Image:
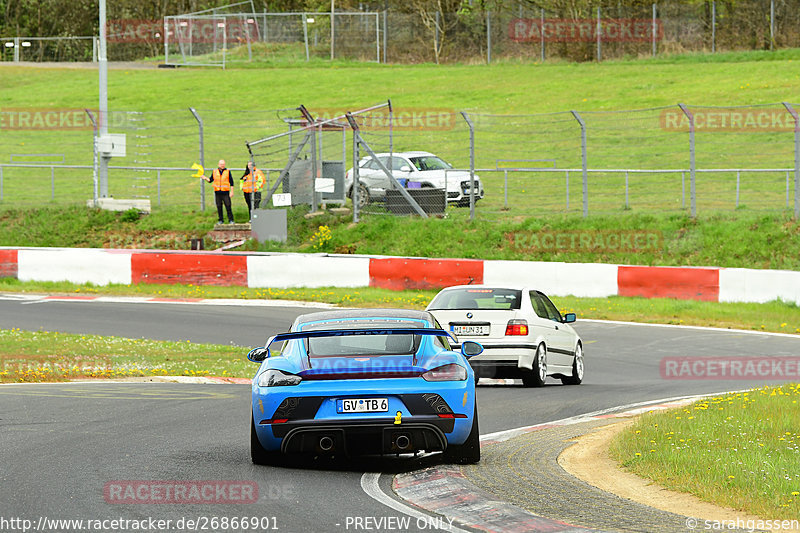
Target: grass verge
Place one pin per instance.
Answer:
(738, 450)
(51, 356)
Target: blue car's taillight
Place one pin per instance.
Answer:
(451, 372)
(277, 378)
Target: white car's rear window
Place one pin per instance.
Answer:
(477, 298)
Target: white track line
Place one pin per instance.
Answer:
(369, 482)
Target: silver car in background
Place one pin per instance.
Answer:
(421, 168)
(522, 332)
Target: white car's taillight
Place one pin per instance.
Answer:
(451, 372)
(517, 326)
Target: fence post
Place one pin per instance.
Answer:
(584, 166)
(385, 32)
(793, 112)
(738, 180)
(202, 158)
(488, 37)
(305, 34)
(771, 24)
(599, 33)
(714, 26)
(654, 30)
(567, 179)
(471, 165)
(627, 204)
(94, 157)
(333, 29)
(541, 34)
(692, 190)
(53, 184)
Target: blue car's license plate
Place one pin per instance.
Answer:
(362, 405)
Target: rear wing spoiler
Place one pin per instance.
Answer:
(259, 354)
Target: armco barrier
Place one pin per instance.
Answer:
(259, 270)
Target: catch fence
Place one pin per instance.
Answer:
(686, 158)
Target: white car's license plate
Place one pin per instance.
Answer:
(362, 405)
(471, 329)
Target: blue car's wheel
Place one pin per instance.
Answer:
(258, 454)
(468, 453)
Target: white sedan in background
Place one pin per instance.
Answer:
(429, 170)
(522, 332)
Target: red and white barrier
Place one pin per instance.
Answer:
(259, 270)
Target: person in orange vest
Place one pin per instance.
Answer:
(223, 190)
(252, 183)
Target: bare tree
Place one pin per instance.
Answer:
(438, 16)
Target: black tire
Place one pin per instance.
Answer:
(577, 368)
(537, 376)
(468, 453)
(258, 454)
(363, 195)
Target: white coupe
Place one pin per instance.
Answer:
(522, 332)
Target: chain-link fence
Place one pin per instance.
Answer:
(414, 33)
(671, 159)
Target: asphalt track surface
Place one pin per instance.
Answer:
(63, 443)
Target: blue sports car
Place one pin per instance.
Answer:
(357, 382)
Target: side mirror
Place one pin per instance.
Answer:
(405, 168)
(257, 355)
(569, 318)
(471, 348)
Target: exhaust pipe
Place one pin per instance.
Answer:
(326, 444)
(402, 442)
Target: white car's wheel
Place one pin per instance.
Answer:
(363, 195)
(577, 368)
(538, 374)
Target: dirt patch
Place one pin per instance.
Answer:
(588, 459)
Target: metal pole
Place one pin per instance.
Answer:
(356, 183)
(436, 37)
(385, 32)
(305, 34)
(654, 30)
(584, 166)
(471, 165)
(53, 184)
(16, 49)
(158, 186)
(692, 190)
(103, 86)
(1, 184)
(714, 26)
(314, 168)
(771, 24)
(377, 38)
(738, 177)
(541, 34)
(94, 157)
(627, 205)
(567, 176)
(202, 158)
(599, 32)
(488, 36)
(333, 27)
(793, 112)
(505, 188)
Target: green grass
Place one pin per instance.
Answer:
(740, 239)
(738, 450)
(51, 356)
(232, 116)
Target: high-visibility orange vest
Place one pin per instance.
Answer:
(222, 180)
(247, 181)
